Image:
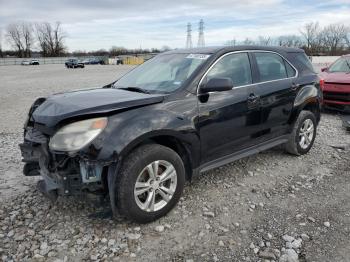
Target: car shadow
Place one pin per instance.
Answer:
(343, 114)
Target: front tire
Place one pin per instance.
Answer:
(303, 135)
(150, 183)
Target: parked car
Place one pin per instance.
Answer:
(30, 62)
(94, 61)
(181, 113)
(336, 87)
(118, 61)
(74, 63)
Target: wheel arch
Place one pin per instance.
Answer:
(314, 108)
(308, 98)
(172, 139)
(187, 150)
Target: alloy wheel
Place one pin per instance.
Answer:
(306, 133)
(155, 186)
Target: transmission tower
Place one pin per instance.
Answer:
(201, 42)
(189, 36)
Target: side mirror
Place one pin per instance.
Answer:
(324, 69)
(217, 85)
(109, 85)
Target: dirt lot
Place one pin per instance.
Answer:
(268, 207)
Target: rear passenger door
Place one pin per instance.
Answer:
(276, 89)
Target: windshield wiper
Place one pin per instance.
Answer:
(135, 89)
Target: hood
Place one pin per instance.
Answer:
(337, 77)
(85, 102)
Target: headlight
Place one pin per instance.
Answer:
(75, 136)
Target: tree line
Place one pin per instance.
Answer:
(45, 36)
(26, 38)
(333, 39)
(119, 50)
(48, 38)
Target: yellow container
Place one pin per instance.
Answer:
(133, 60)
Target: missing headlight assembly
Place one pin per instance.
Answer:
(56, 158)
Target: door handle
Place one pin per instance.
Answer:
(294, 86)
(252, 98)
(253, 101)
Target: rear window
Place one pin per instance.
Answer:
(271, 66)
(303, 63)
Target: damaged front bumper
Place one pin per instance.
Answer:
(62, 174)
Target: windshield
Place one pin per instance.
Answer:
(163, 73)
(341, 65)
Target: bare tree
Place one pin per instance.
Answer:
(50, 38)
(248, 41)
(290, 41)
(20, 36)
(58, 37)
(14, 38)
(117, 50)
(165, 48)
(347, 40)
(334, 37)
(264, 40)
(311, 32)
(231, 42)
(27, 34)
(45, 38)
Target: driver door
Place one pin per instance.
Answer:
(226, 122)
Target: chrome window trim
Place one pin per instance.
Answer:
(249, 51)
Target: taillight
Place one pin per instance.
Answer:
(322, 84)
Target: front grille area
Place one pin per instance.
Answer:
(336, 96)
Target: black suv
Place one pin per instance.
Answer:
(74, 63)
(183, 112)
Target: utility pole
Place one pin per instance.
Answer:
(189, 36)
(201, 42)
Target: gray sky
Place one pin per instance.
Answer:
(93, 24)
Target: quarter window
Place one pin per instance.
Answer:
(234, 66)
(272, 67)
(290, 70)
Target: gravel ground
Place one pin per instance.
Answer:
(268, 207)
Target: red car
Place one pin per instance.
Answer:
(336, 87)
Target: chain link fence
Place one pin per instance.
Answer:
(44, 60)
(127, 59)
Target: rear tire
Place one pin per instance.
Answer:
(303, 135)
(150, 183)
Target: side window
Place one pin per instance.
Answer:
(271, 66)
(234, 66)
(305, 63)
(290, 70)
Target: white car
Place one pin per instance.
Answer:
(30, 62)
